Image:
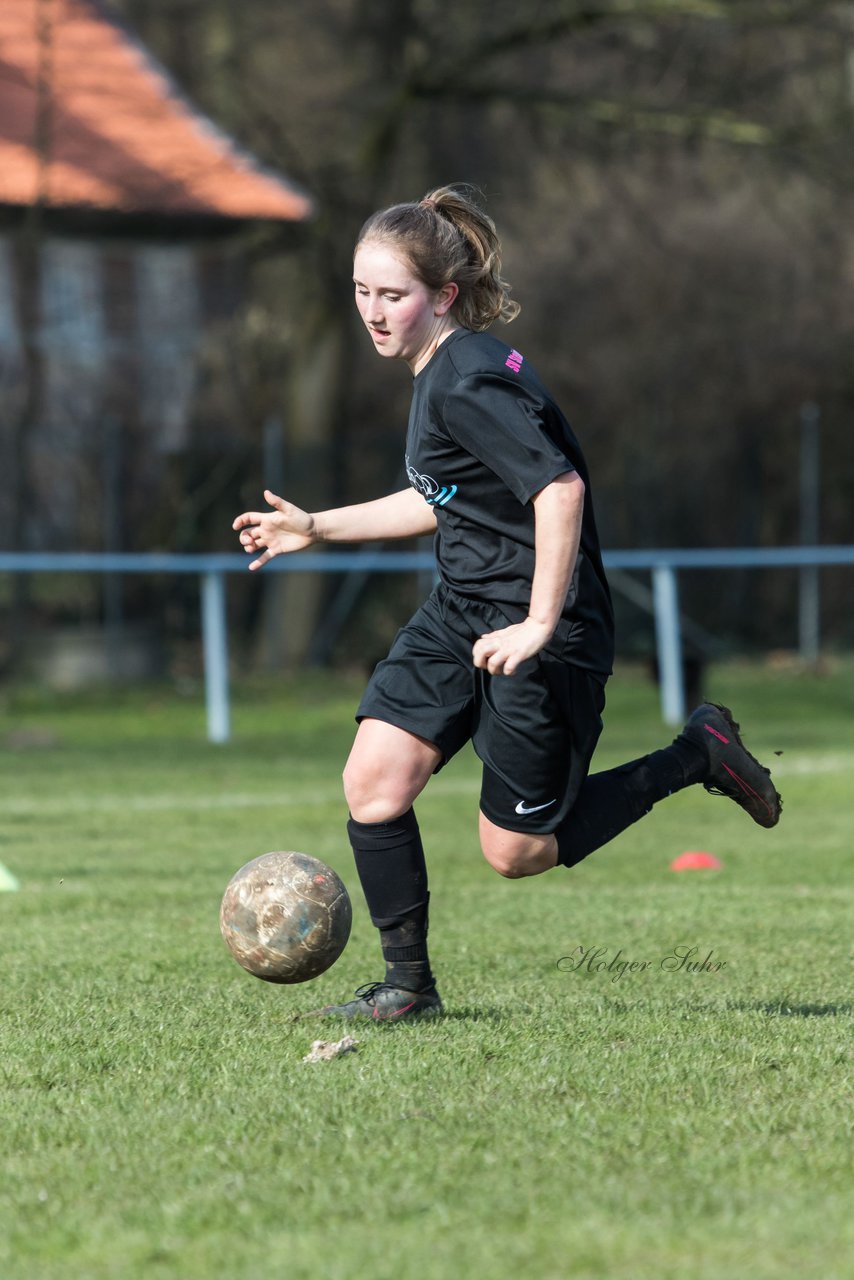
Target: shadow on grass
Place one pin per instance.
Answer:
(475, 1013)
(782, 1009)
(495, 1016)
(459, 1013)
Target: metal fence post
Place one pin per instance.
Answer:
(215, 648)
(669, 643)
(809, 602)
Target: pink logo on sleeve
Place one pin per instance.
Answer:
(514, 361)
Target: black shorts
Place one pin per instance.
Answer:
(535, 731)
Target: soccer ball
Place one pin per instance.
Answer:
(285, 917)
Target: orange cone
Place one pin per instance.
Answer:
(695, 860)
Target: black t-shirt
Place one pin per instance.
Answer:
(484, 437)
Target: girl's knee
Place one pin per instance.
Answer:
(515, 855)
(512, 867)
(387, 770)
(375, 796)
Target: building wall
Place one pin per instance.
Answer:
(116, 340)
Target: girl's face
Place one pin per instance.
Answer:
(406, 320)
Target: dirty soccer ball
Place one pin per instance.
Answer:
(285, 917)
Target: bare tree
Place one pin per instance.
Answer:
(674, 181)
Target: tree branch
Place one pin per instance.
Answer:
(745, 14)
(691, 123)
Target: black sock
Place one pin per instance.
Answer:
(393, 872)
(611, 801)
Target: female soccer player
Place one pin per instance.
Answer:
(514, 646)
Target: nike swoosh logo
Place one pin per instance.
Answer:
(394, 1014)
(535, 808)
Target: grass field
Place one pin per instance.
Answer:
(158, 1120)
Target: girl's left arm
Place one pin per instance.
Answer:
(558, 509)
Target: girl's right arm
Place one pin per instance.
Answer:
(287, 528)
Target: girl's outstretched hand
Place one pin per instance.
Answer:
(274, 533)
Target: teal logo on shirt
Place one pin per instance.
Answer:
(434, 494)
(443, 497)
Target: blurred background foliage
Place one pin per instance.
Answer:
(673, 181)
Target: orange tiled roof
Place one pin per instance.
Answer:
(123, 139)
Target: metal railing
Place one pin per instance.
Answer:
(211, 570)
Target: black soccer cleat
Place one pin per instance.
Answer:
(382, 1003)
(733, 771)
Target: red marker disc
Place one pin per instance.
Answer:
(694, 860)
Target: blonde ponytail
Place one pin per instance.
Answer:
(448, 237)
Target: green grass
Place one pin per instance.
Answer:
(158, 1120)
